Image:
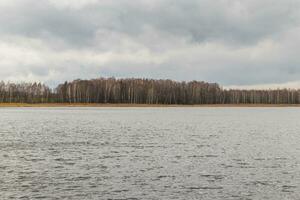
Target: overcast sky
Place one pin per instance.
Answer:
(232, 42)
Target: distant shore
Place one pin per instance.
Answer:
(3, 105)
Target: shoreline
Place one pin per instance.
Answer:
(101, 105)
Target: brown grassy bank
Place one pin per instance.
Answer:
(139, 105)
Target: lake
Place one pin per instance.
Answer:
(150, 153)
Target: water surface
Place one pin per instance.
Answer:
(150, 153)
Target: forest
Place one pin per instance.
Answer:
(141, 91)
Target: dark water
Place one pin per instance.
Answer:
(150, 153)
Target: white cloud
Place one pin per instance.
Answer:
(71, 4)
(232, 42)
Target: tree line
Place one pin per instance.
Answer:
(141, 91)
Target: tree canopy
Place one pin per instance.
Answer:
(141, 91)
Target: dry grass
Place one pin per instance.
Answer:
(139, 105)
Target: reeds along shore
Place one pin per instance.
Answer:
(143, 92)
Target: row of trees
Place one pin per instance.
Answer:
(137, 91)
(141, 91)
(25, 93)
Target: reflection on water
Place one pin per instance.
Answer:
(150, 153)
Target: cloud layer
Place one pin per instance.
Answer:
(233, 42)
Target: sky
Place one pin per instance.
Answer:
(236, 43)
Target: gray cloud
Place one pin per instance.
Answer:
(233, 42)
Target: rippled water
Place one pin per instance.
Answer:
(150, 153)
